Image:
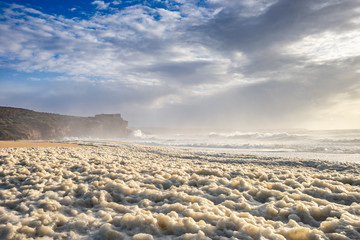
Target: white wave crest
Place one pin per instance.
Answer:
(256, 135)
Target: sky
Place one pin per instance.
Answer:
(251, 64)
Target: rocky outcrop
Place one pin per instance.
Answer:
(18, 123)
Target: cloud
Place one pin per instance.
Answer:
(101, 5)
(239, 63)
(128, 46)
(327, 46)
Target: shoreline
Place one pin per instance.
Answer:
(306, 156)
(331, 157)
(30, 144)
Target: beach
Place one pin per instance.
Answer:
(103, 190)
(27, 144)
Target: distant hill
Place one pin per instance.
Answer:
(24, 124)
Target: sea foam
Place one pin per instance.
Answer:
(146, 192)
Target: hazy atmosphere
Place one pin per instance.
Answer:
(183, 119)
(209, 63)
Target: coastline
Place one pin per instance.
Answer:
(29, 144)
(132, 191)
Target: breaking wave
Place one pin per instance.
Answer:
(137, 134)
(256, 135)
(302, 142)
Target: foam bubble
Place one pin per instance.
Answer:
(143, 192)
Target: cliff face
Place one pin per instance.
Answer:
(17, 123)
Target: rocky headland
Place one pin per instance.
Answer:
(24, 124)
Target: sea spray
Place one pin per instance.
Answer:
(327, 145)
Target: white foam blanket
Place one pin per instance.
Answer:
(144, 192)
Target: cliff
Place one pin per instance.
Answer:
(18, 123)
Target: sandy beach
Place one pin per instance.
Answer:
(30, 144)
(103, 191)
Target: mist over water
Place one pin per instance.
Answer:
(335, 145)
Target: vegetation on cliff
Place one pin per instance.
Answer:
(18, 123)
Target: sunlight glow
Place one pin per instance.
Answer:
(327, 46)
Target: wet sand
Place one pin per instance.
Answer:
(29, 144)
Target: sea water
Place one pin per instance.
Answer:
(334, 145)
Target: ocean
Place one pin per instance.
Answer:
(334, 145)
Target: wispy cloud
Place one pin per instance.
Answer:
(100, 4)
(116, 2)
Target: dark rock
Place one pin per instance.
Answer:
(18, 123)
